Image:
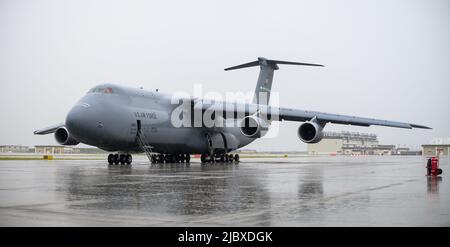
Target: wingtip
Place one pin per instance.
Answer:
(420, 126)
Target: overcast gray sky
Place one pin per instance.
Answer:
(384, 59)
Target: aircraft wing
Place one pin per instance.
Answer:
(301, 115)
(48, 130)
(239, 110)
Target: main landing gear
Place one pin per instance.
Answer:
(170, 158)
(123, 159)
(222, 158)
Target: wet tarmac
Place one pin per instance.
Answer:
(305, 191)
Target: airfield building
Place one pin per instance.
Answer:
(13, 149)
(436, 149)
(350, 143)
(437, 146)
(53, 149)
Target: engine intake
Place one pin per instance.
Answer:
(63, 137)
(252, 126)
(310, 132)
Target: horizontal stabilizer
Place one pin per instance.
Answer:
(272, 63)
(48, 130)
(245, 65)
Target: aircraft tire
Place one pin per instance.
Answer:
(116, 159)
(110, 159)
(236, 158)
(128, 159)
(182, 158)
(203, 158)
(169, 158)
(122, 159)
(187, 158)
(231, 158)
(153, 159)
(166, 158)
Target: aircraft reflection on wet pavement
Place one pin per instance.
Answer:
(175, 189)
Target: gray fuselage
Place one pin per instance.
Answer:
(111, 120)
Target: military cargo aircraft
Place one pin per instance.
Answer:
(124, 120)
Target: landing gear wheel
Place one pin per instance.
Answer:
(182, 158)
(231, 158)
(187, 158)
(203, 158)
(222, 158)
(153, 159)
(236, 158)
(169, 158)
(110, 159)
(177, 158)
(116, 159)
(128, 159)
(161, 158)
(122, 159)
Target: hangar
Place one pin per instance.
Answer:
(436, 149)
(350, 143)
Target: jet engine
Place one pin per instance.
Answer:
(63, 137)
(252, 126)
(310, 132)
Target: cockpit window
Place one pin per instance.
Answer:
(105, 90)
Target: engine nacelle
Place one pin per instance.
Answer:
(310, 132)
(63, 137)
(252, 126)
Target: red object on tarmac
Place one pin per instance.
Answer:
(433, 167)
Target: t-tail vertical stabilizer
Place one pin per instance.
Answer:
(265, 78)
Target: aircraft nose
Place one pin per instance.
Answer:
(81, 121)
(74, 115)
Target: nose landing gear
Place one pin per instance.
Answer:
(122, 159)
